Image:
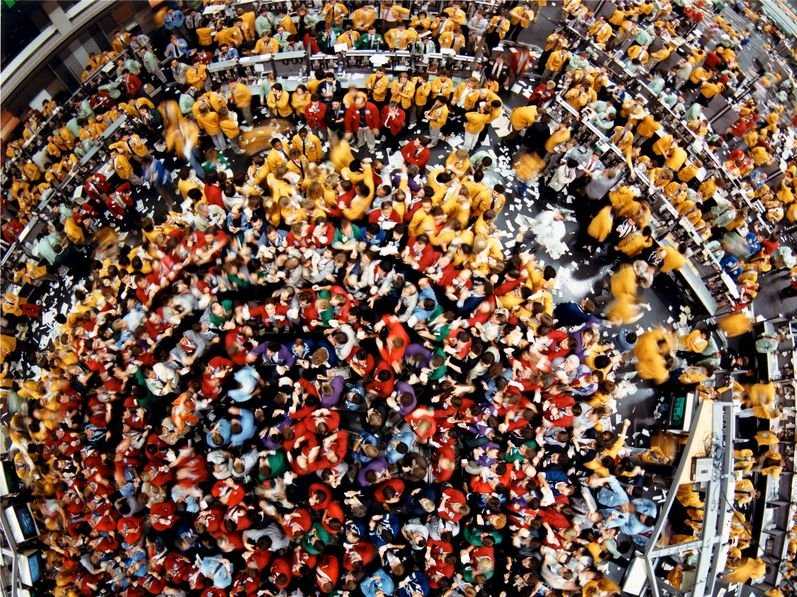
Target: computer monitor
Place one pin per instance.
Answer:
(31, 567)
(21, 523)
(9, 481)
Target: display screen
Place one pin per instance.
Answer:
(678, 411)
(26, 523)
(10, 481)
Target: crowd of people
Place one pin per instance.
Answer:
(308, 369)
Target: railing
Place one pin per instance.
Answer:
(85, 86)
(252, 67)
(780, 493)
(347, 60)
(717, 418)
(693, 141)
(663, 204)
(61, 189)
(48, 41)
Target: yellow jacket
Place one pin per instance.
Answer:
(458, 166)
(708, 188)
(528, 166)
(230, 35)
(340, 155)
(694, 341)
(437, 117)
(443, 237)
(358, 208)
(196, 75)
(688, 497)
(204, 36)
(73, 231)
(709, 89)
(523, 117)
(476, 121)
(281, 105)
(735, 324)
(662, 146)
(422, 91)
(400, 40)
(457, 14)
(618, 16)
(633, 244)
(299, 101)
(745, 570)
(275, 159)
(138, 146)
(673, 259)
(699, 74)
(501, 25)
(378, 87)
(348, 37)
(688, 172)
(600, 31)
(521, 15)
(241, 95)
(7, 345)
(288, 24)
(647, 126)
(267, 45)
(623, 281)
(404, 93)
(229, 127)
(421, 223)
(122, 167)
(465, 95)
(479, 193)
(654, 369)
(559, 136)
(311, 147)
(766, 438)
(335, 11)
(556, 60)
(442, 86)
(601, 225)
(215, 100)
(248, 22)
(363, 18)
(451, 40)
(209, 121)
(662, 53)
(760, 155)
(183, 186)
(676, 158)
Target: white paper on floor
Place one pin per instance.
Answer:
(455, 141)
(549, 232)
(502, 125)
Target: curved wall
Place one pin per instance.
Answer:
(70, 38)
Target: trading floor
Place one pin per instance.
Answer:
(407, 298)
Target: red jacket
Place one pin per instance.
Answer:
(353, 121)
(375, 215)
(328, 571)
(396, 123)
(213, 195)
(316, 115)
(310, 43)
(388, 350)
(541, 94)
(554, 518)
(415, 154)
(712, 60)
(132, 84)
(361, 552)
